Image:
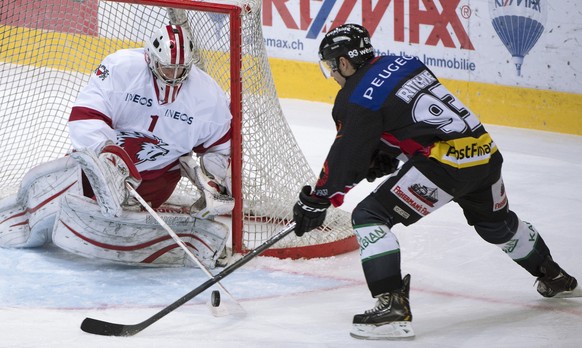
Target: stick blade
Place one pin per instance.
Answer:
(103, 328)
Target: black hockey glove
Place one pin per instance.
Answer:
(382, 164)
(309, 211)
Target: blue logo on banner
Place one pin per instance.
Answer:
(519, 24)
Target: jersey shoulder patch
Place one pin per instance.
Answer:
(381, 79)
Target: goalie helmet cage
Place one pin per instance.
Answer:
(50, 47)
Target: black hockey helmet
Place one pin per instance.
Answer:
(349, 40)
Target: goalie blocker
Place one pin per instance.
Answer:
(50, 206)
(213, 180)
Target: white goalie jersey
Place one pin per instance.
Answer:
(121, 104)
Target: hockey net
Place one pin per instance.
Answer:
(48, 49)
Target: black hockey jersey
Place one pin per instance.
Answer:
(397, 105)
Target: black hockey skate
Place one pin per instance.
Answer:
(389, 320)
(556, 282)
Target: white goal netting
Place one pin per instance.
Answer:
(49, 48)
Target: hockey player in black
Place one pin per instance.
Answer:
(394, 117)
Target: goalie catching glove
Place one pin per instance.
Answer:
(107, 172)
(309, 211)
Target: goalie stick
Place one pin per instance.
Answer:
(236, 307)
(99, 327)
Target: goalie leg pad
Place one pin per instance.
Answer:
(135, 238)
(27, 218)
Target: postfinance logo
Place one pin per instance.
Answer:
(464, 152)
(405, 17)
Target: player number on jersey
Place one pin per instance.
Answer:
(440, 108)
(153, 123)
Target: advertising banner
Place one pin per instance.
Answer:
(522, 43)
(80, 15)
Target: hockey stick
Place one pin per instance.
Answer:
(237, 307)
(104, 328)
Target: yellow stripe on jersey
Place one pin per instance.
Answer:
(464, 152)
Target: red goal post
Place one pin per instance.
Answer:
(46, 62)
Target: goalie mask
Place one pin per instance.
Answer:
(169, 54)
(351, 41)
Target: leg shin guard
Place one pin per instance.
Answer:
(380, 255)
(527, 248)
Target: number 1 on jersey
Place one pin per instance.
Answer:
(153, 123)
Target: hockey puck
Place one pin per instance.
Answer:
(215, 298)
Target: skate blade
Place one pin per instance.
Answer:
(398, 330)
(577, 292)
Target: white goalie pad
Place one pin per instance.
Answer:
(135, 237)
(107, 173)
(27, 217)
(214, 197)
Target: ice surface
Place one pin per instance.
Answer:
(464, 292)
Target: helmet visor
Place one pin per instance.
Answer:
(328, 67)
(172, 74)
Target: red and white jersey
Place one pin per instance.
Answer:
(120, 104)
